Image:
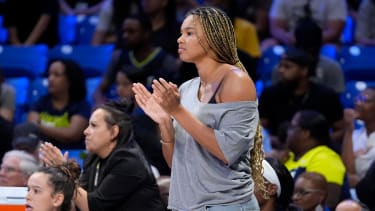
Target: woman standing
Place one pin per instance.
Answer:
(210, 125)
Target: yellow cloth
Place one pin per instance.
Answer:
(246, 37)
(320, 159)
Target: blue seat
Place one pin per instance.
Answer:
(269, 59)
(86, 26)
(38, 88)
(21, 87)
(67, 29)
(358, 62)
(347, 35)
(329, 50)
(30, 61)
(91, 85)
(3, 31)
(92, 59)
(353, 89)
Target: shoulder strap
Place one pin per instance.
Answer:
(213, 100)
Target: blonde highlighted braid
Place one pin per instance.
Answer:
(256, 158)
(219, 34)
(220, 37)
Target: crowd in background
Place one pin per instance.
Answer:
(307, 130)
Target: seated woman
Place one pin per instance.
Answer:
(310, 192)
(62, 114)
(114, 160)
(279, 185)
(52, 188)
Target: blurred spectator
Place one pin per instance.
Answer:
(7, 109)
(310, 192)
(308, 36)
(358, 149)
(245, 31)
(348, 205)
(279, 184)
(32, 22)
(353, 6)
(111, 18)
(80, 7)
(308, 138)
(146, 132)
(279, 102)
(365, 28)
(165, 28)
(365, 188)
(62, 115)
(16, 167)
(329, 14)
(256, 11)
(139, 53)
(26, 138)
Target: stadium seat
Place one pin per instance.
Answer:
(91, 85)
(67, 29)
(38, 88)
(358, 62)
(3, 31)
(269, 59)
(347, 36)
(93, 59)
(329, 50)
(27, 61)
(85, 29)
(21, 87)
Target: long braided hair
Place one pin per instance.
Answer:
(219, 33)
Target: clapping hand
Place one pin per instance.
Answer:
(51, 155)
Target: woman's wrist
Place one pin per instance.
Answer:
(166, 142)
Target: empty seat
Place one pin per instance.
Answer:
(329, 50)
(347, 35)
(38, 88)
(358, 62)
(86, 26)
(28, 61)
(269, 59)
(92, 59)
(67, 29)
(91, 85)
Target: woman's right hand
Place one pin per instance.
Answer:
(149, 105)
(51, 155)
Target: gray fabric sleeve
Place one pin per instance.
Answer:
(236, 132)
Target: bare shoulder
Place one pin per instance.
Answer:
(237, 86)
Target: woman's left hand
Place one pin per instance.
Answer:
(52, 155)
(166, 94)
